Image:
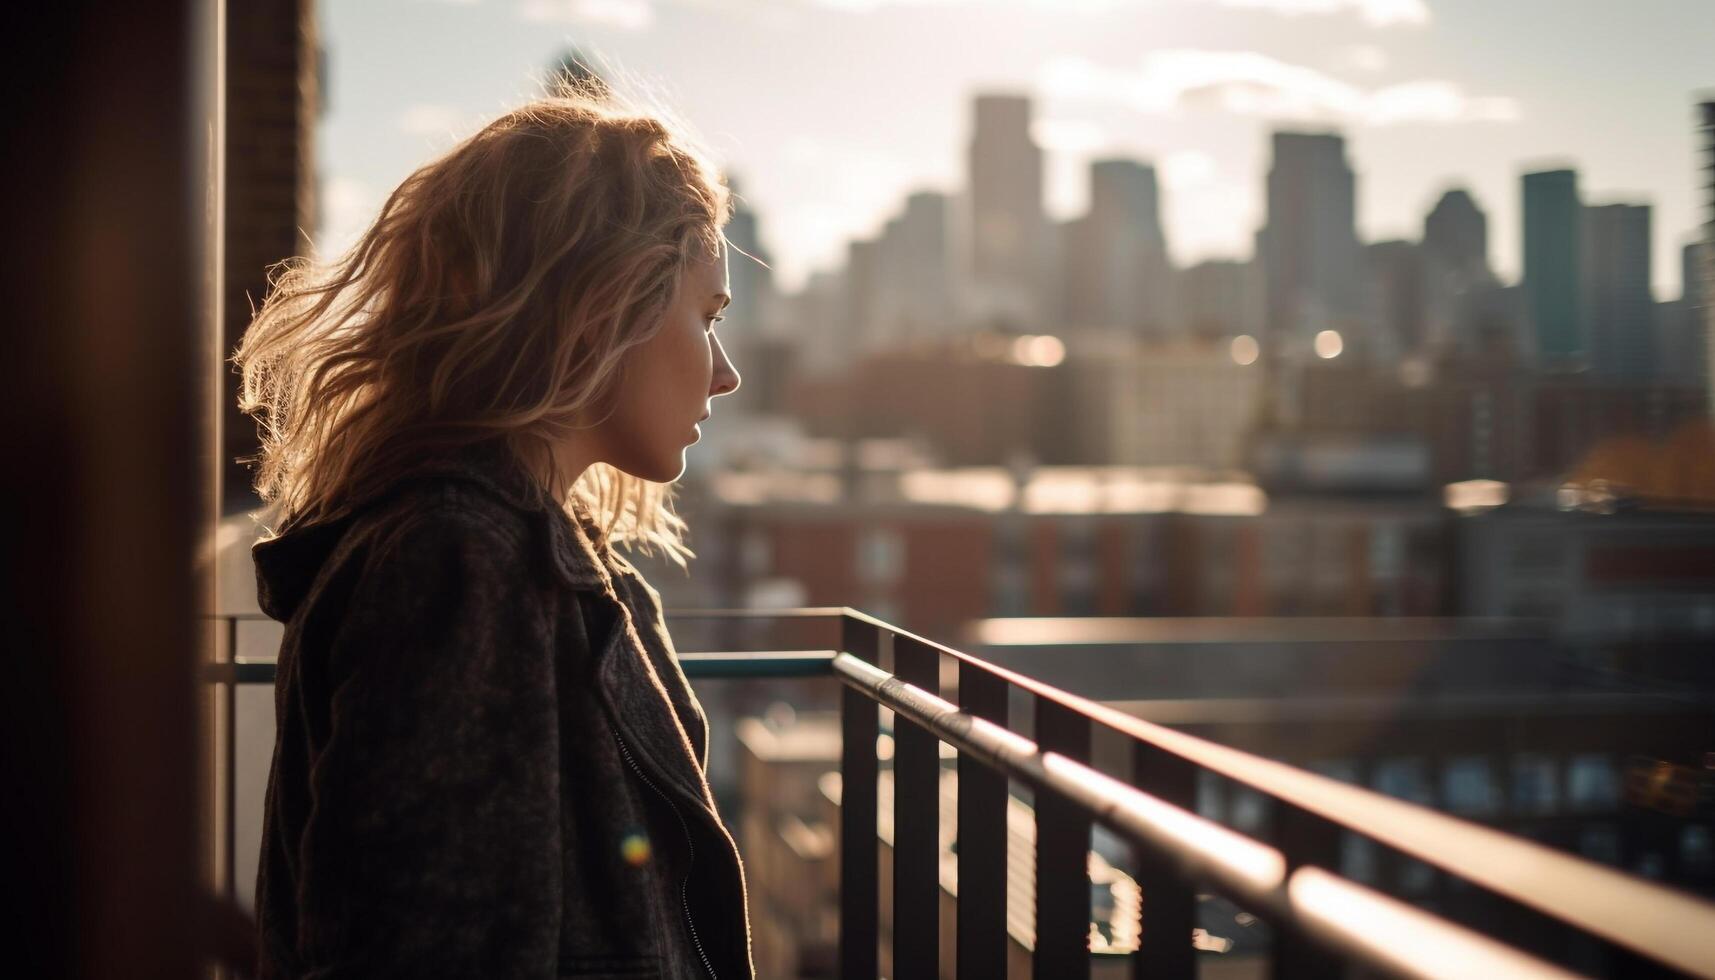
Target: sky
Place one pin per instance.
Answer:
(827, 113)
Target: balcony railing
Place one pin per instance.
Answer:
(1572, 913)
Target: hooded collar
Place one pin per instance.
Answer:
(288, 562)
(576, 557)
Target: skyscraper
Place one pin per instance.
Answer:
(1396, 270)
(1681, 352)
(1216, 299)
(1552, 238)
(1008, 226)
(1456, 236)
(1706, 255)
(914, 293)
(751, 315)
(1616, 272)
(1309, 246)
(1116, 271)
(1455, 263)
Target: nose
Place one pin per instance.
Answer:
(726, 379)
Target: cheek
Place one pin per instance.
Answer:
(677, 372)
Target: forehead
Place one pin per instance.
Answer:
(707, 276)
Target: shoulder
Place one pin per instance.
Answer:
(446, 512)
(441, 542)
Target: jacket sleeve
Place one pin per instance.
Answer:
(433, 844)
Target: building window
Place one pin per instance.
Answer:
(881, 556)
(1078, 568)
(1592, 783)
(1696, 851)
(1358, 858)
(1405, 778)
(1468, 786)
(1209, 797)
(1600, 842)
(1534, 789)
(1249, 810)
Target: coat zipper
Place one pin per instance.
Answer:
(691, 849)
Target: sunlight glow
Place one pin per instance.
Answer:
(1468, 496)
(1404, 935)
(1038, 351)
(1226, 854)
(1329, 344)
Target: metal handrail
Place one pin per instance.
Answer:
(1252, 874)
(1654, 921)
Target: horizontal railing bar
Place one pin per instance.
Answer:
(713, 666)
(771, 663)
(1368, 925)
(241, 672)
(1251, 874)
(802, 612)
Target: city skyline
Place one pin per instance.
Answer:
(1418, 90)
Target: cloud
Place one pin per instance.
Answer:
(1183, 169)
(627, 15)
(1363, 57)
(1380, 13)
(1249, 83)
(1068, 135)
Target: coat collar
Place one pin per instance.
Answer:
(576, 558)
(636, 666)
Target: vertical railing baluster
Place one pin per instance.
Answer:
(1303, 838)
(1062, 855)
(860, 895)
(1164, 951)
(982, 935)
(916, 823)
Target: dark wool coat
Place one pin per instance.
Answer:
(489, 763)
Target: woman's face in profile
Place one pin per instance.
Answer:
(669, 380)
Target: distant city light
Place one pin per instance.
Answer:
(1033, 350)
(1244, 349)
(1329, 345)
(1468, 496)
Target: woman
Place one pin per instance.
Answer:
(488, 761)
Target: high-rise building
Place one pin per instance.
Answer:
(1115, 268)
(1455, 268)
(1616, 267)
(750, 274)
(1553, 219)
(752, 318)
(1309, 246)
(1008, 226)
(1398, 277)
(1705, 272)
(1456, 236)
(914, 298)
(1215, 299)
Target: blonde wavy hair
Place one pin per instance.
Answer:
(492, 301)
